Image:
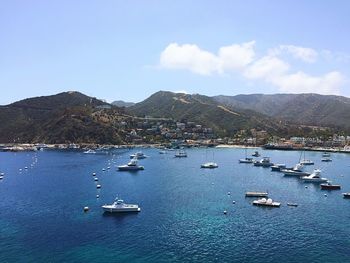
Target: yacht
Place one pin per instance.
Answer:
(278, 167)
(346, 195)
(131, 166)
(246, 160)
(181, 154)
(326, 159)
(209, 165)
(138, 155)
(315, 177)
(119, 206)
(266, 202)
(297, 170)
(326, 154)
(264, 162)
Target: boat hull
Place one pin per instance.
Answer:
(330, 187)
(130, 168)
(110, 209)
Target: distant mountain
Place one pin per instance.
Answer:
(308, 109)
(121, 103)
(62, 118)
(204, 110)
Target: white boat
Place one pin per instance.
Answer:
(326, 154)
(138, 155)
(307, 162)
(90, 151)
(119, 206)
(209, 165)
(131, 166)
(278, 167)
(326, 159)
(298, 170)
(246, 160)
(266, 202)
(180, 154)
(264, 162)
(315, 177)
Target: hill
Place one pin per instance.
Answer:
(204, 110)
(62, 118)
(307, 109)
(121, 103)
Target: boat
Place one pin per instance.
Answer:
(278, 167)
(346, 195)
(326, 154)
(138, 155)
(256, 194)
(119, 206)
(131, 166)
(246, 160)
(292, 204)
(264, 162)
(180, 154)
(326, 159)
(307, 162)
(297, 170)
(162, 152)
(209, 165)
(330, 186)
(256, 154)
(266, 202)
(315, 177)
(90, 151)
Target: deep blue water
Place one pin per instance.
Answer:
(182, 220)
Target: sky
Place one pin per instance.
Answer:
(127, 50)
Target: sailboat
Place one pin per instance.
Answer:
(209, 165)
(246, 159)
(306, 161)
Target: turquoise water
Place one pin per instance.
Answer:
(182, 220)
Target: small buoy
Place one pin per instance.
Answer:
(212, 183)
(225, 212)
(108, 167)
(305, 186)
(103, 169)
(98, 186)
(228, 193)
(97, 196)
(2, 174)
(233, 202)
(20, 169)
(93, 174)
(1, 177)
(86, 208)
(96, 179)
(26, 167)
(325, 195)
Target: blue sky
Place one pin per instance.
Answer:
(130, 49)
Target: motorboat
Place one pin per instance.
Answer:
(131, 166)
(181, 153)
(256, 154)
(326, 159)
(346, 195)
(278, 167)
(138, 155)
(330, 186)
(209, 165)
(307, 162)
(326, 154)
(264, 162)
(266, 202)
(256, 194)
(119, 206)
(297, 170)
(315, 177)
(90, 151)
(246, 160)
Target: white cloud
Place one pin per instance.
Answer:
(305, 54)
(241, 59)
(189, 57)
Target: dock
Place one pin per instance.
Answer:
(256, 194)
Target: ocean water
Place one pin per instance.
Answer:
(181, 218)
